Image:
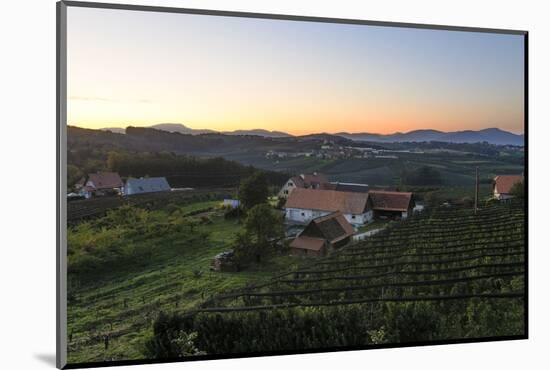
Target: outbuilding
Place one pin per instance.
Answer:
(146, 185)
(392, 204)
(321, 235)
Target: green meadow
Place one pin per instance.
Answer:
(122, 301)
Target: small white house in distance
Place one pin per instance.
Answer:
(232, 203)
(146, 185)
(304, 205)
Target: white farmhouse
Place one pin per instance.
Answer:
(146, 185)
(304, 205)
(314, 181)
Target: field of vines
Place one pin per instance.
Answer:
(89, 208)
(134, 262)
(443, 275)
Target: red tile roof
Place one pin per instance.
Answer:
(315, 179)
(308, 181)
(504, 183)
(328, 200)
(334, 227)
(331, 228)
(298, 181)
(327, 186)
(390, 200)
(306, 242)
(105, 180)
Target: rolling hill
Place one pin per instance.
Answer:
(182, 129)
(491, 135)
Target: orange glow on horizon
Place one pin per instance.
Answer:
(382, 129)
(295, 123)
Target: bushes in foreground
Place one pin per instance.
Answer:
(302, 328)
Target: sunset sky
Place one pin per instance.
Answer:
(225, 73)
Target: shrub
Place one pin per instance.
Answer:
(234, 213)
(197, 273)
(167, 341)
(205, 220)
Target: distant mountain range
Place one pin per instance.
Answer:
(490, 135)
(182, 129)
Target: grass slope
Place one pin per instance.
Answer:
(122, 304)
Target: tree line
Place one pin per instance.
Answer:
(180, 170)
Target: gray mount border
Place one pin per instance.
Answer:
(61, 193)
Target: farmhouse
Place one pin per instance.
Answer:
(322, 234)
(100, 183)
(503, 184)
(314, 181)
(304, 205)
(391, 204)
(146, 185)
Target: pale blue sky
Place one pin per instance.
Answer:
(132, 67)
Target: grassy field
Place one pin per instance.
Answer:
(457, 169)
(122, 304)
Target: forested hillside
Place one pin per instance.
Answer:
(91, 151)
(391, 164)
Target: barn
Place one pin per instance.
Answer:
(322, 234)
(392, 204)
(146, 185)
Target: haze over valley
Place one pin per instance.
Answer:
(491, 135)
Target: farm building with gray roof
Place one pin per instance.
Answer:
(146, 185)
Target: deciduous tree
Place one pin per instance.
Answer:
(253, 190)
(518, 190)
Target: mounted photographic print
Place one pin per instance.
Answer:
(237, 184)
